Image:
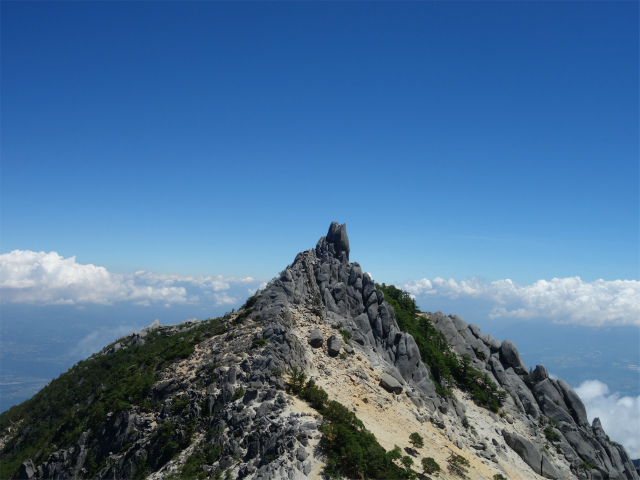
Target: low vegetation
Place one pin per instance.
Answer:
(80, 399)
(443, 362)
(205, 454)
(552, 435)
(351, 450)
(430, 466)
(416, 441)
(458, 465)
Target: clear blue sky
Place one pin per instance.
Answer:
(455, 139)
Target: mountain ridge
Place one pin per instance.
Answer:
(218, 395)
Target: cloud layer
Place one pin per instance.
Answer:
(620, 416)
(562, 300)
(49, 279)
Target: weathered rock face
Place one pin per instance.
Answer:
(233, 388)
(229, 397)
(344, 294)
(390, 383)
(574, 403)
(511, 358)
(538, 399)
(316, 339)
(337, 236)
(347, 296)
(334, 344)
(532, 455)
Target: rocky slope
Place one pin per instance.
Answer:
(221, 407)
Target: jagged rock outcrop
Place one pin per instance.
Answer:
(573, 402)
(233, 387)
(542, 403)
(510, 357)
(532, 455)
(228, 400)
(348, 296)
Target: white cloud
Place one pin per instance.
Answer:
(96, 340)
(224, 299)
(563, 300)
(590, 389)
(39, 277)
(620, 416)
(50, 279)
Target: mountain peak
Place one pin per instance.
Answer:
(335, 243)
(200, 399)
(337, 236)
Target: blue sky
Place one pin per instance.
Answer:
(164, 159)
(455, 139)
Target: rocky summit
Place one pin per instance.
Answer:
(324, 373)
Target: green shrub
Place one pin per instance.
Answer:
(416, 440)
(141, 470)
(479, 354)
(242, 316)
(250, 302)
(435, 352)
(346, 336)
(395, 454)
(458, 465)
(297, 378)
(166, 438)
(407, 462)
(430, 466)
(179, 405)
(315, 395)
(551, 434)
(351, 450)
(239, 393)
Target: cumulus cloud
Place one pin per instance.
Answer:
(563, 300)
(224, 299)
(619, 415)
(50, 279)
